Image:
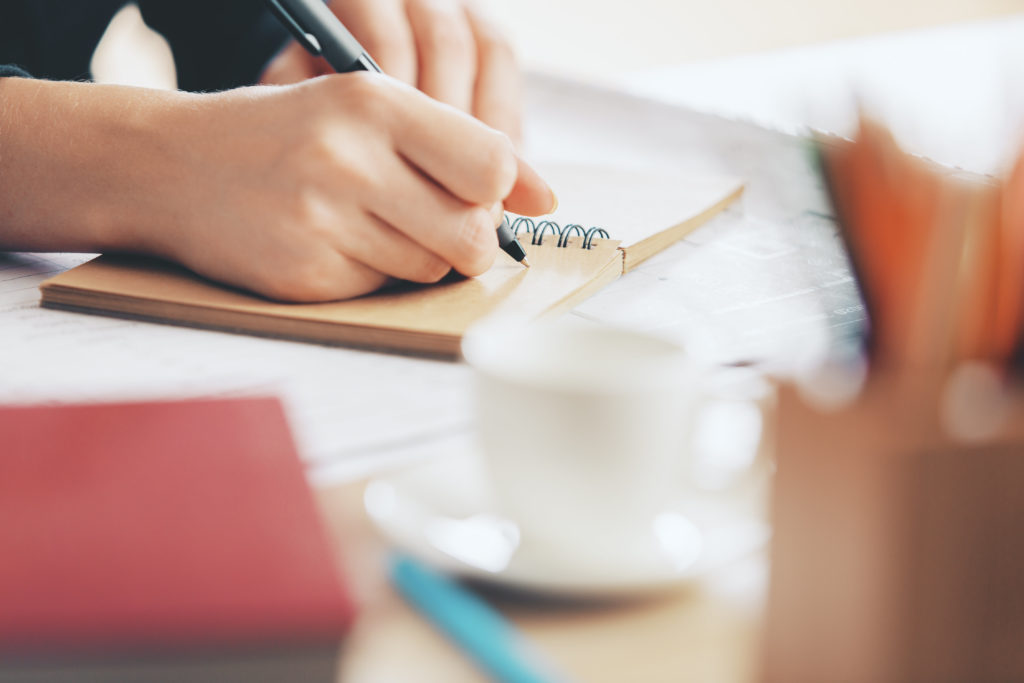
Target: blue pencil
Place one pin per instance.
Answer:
(475, 627)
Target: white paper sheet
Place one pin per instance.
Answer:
(633, 203)
(767, 281)
(342, 402)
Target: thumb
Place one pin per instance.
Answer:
(531, 195)
(292, 65)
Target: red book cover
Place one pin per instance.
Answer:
(164, 526)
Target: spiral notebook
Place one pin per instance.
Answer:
(608, 221)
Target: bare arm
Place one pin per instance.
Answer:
(318, 191)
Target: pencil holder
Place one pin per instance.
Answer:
(898, 552)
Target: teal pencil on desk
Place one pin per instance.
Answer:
(483, 634)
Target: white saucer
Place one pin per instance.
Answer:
(442, 512)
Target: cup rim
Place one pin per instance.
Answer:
(484, 347)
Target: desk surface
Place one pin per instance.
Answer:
(708, 632)
(739, 280)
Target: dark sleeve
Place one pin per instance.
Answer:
(216, 45)
(53, 38)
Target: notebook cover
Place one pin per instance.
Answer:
(427, 319)
(644, 212)
(149, 527)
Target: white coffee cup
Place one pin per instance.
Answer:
(583, 431)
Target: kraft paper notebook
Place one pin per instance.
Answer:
(609, 220)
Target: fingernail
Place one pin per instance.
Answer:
(554, 202)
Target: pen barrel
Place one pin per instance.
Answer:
(509, 243)
(346, 56)
(339, 47)
(473, 625)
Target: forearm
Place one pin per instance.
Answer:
(74, 161)
(311, 192)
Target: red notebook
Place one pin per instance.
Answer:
(162, 533)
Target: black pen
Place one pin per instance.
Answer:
(323, 35)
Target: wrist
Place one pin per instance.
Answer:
(142, 143)
(76, 163)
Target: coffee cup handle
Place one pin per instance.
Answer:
(730, 433)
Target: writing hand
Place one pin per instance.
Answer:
(313, 192)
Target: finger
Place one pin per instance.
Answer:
(339, 277)
(463, 235)
(497, 213)
(387, 250)
(382, 28)
(292, 65)
(308, 275)
(472, 161)
(498, 91)
(531, 195)
(446, 52)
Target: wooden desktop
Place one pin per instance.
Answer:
(708, 632)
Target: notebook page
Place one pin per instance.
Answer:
(766, 280)
(632, 204)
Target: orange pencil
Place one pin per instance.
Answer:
(887, 204)
(1009, 291)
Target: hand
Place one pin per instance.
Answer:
(446, 48)
(314, 192)
(327, 189)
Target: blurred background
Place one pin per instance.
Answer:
(946, 75)
(594, 38)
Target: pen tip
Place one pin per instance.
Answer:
(525, 262)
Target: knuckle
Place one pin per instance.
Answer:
(357, 180)
(316, 153)
(332, 170)
(491, 41)
(443, 33)
(476, 242)
(365, 93)
(364, 183)
(427, 268)
(306, 281)
(501, 167)
(493, 45)
(312, 215)
(390, 46)
(360, 82)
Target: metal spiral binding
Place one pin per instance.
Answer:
(538, 230)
